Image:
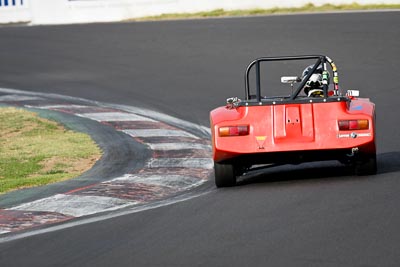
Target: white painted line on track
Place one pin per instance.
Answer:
(60, 106)
(19, 98)
(114, 116)
(75, 205)
(158, 133)
(2, 231)
(178, 146)
(174, 181)
(197, 163)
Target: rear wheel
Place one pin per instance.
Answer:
(224, 175)
(366, 164)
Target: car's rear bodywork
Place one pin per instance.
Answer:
(293, 128)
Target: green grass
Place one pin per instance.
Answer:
(35, 151)
(253, 12)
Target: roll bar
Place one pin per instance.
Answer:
(321, 59)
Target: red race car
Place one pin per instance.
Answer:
(307, 118)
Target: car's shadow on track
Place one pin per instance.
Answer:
(387, 163)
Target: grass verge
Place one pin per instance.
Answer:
(252, 12)
(35, 151)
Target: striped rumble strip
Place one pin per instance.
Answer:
(181, 160)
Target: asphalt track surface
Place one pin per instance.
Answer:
(306, 215)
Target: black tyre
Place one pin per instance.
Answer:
(366, 164)
(224, 175)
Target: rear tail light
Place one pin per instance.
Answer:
(234, 130)
(353, 125)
